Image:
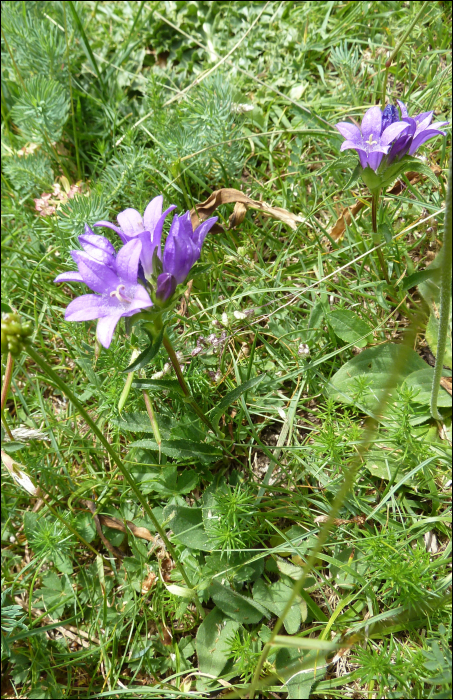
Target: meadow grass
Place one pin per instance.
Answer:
(303, 549)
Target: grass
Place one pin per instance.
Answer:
(316, 369)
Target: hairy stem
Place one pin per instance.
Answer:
(182, 383)
(119, 463)
(445, 292)
(374, 208)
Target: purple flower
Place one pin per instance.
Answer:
(375, 137)
(419, 129)
(147, 229)
(182, 250)
(114, 279)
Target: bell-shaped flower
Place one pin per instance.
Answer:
(147, 229)
(419, 129)
(373, 140)
(114, 279)
(182, 250)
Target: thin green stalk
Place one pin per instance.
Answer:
(368, 436)
(5, 389)
(445, 292)
(153, 420)
(74, 129)
(182, 383)
(389, 61)
(119, 463)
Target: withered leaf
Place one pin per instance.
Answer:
(228, 195)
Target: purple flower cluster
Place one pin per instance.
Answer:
(125, 282)
(385, 134)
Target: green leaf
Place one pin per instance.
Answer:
(187, 525)
(422, 381)
(85, 43)
(274, 598)
(171, 385)
(147, 355)
(363, 379)
(416, 165)
(213, 642)
(420, 276)
(183, 449)
(349, 327)
(139, 422)
(234, 395)
(235, 605)
(55, 591)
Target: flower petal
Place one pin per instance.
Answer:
(371, 123)
(127, 261)
(98, 248)
(117, 230)
(419, 118)
(94, 239)
(72, 276)
(131, 222)
(403, 109)
(185, 225)
(105, 329)
(202, 231)
(156, 234)
(392, 132)
(423, 124)
(360, 150)
(96, 275)
(349, 131)
(86, 308)
(374, 159)
(153, 212)
(422, 137)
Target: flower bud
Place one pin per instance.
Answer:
(14, 333)
(166, 285)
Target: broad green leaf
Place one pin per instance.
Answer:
(234, 395)
(274, 598)
(183, 449)
(158, 385)
(139, 422)
(187, 525)
(350, 327)
(364, 378)
(422, 381)
(235, 605)
(213, 642)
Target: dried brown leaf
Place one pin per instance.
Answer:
(228, 195)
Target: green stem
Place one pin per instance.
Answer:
(182, 383)
(122, 468)
(5, 389)
(445, 291)
(153, 420)
(374, 208)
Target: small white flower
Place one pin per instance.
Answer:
(303, 350)
(240, 315)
